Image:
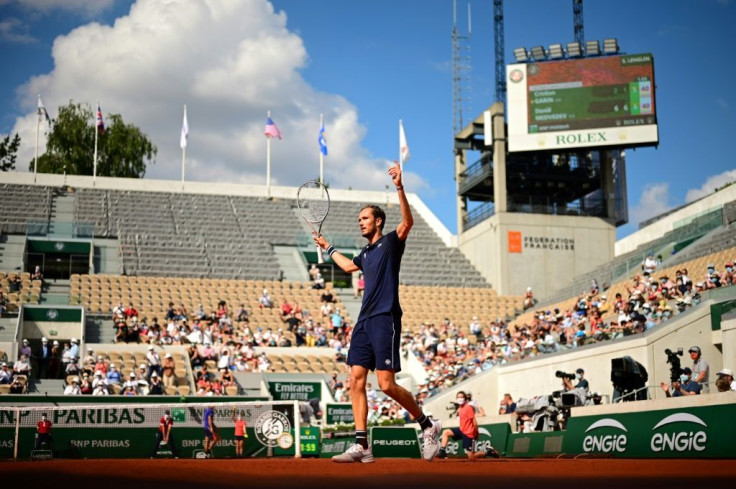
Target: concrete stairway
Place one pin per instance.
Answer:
(51, 387)
(11, 252)
(291, 263)
(99, 331)
(62, 214)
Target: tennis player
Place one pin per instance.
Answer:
(375, 340)
(211, 433)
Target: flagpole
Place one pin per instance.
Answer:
(321, 155)
(268, 163)
(401, 160)
(183, 155)
(94, 163)
(38, 125)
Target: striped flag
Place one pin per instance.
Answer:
(403, 145)
(184, 130)
(322, 141)
(42, 112)
(271, 130)
(100, 123)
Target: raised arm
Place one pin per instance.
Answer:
(340, 260)
(407, 220)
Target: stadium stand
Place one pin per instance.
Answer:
(21, 205)
(183, 235)
(29, 292)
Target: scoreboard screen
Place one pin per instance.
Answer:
(602, 101)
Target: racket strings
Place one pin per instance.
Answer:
(314, 203)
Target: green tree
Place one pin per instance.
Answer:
(123, 150)
(9, 152)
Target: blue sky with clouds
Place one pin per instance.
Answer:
(365, 65)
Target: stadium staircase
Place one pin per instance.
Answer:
(99, 330)
(55, 292)
(61, 214)
(51, 387)
(11, 251)
(350, 303)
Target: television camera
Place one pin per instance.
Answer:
(629, 378)
(675, 368)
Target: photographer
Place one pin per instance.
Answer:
(567, 379)
(700, 367)
(683, 386)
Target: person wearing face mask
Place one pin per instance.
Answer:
(684, 386)
(240, 434)
(43, 431)
(582, 382)
(467, 431)
(164, 434)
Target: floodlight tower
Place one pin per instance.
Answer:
(500, 57)
(460, 70)
(577, 21)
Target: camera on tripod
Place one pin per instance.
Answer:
(564, 375)
(675, 369)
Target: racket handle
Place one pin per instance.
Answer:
(320, 258)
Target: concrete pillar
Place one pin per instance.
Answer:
(499, 158)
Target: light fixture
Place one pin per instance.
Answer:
(610, 46)
(538, 53)
(592, 48)
(574, 49)
(556, 51)
(521, 55)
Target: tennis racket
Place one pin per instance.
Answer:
(313, 201)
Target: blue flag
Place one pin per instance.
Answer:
(322, 141)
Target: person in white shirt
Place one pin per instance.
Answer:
(154, 361)
(73, 388)
(99, 380)
(100, 390)
(727, 374)
(5, 376)
(132, 382)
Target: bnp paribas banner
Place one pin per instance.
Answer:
(695, 432)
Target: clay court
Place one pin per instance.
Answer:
(385, 473)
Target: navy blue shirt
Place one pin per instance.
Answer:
(381, 263)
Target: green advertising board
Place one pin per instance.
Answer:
(294, 391)
(310, 440)
(339, 413)
(489, 435)
(534, 444)
(391, 442)
(68, 247)
(692, 432)
(52, 314)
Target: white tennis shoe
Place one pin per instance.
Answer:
(355, 453)
(431, 439)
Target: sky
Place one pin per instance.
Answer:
(364, 65)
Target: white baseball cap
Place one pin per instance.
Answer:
(725, 371)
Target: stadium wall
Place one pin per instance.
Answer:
(216, 188)
(514, 251)
(661, 227)
(535, 377)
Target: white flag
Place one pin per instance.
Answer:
(403, 145)
(184, 130)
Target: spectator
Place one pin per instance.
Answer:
(54, 361)
(265, 300)
(327, 297)
(154, 362)
(242, 314)
(22, 367)
(319, 282)
(727, 375)
(508, 406)
(14, 283)
(683, 386)
(156, 387)
(131, 383)
(143, 389)
(73, 389)
(649, 265)
(86, 385)
(195, 358)
(528, 299)
(114, 377)
(18, 386)
(168, 367)
(131, 312)
(25, 349)
(217, 389)
(118, 312)
(5, 374)
(3, 302)
(100, 379)
(43, 358)
(700, 367)
(226, 377)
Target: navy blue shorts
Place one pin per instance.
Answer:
(375, 341)
(208, 434)
(468, 443)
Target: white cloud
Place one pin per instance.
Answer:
(229, 62)
(15, 31)
(710, 185)
(84, 7)
(654, 200)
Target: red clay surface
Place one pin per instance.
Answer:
(385, 473)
